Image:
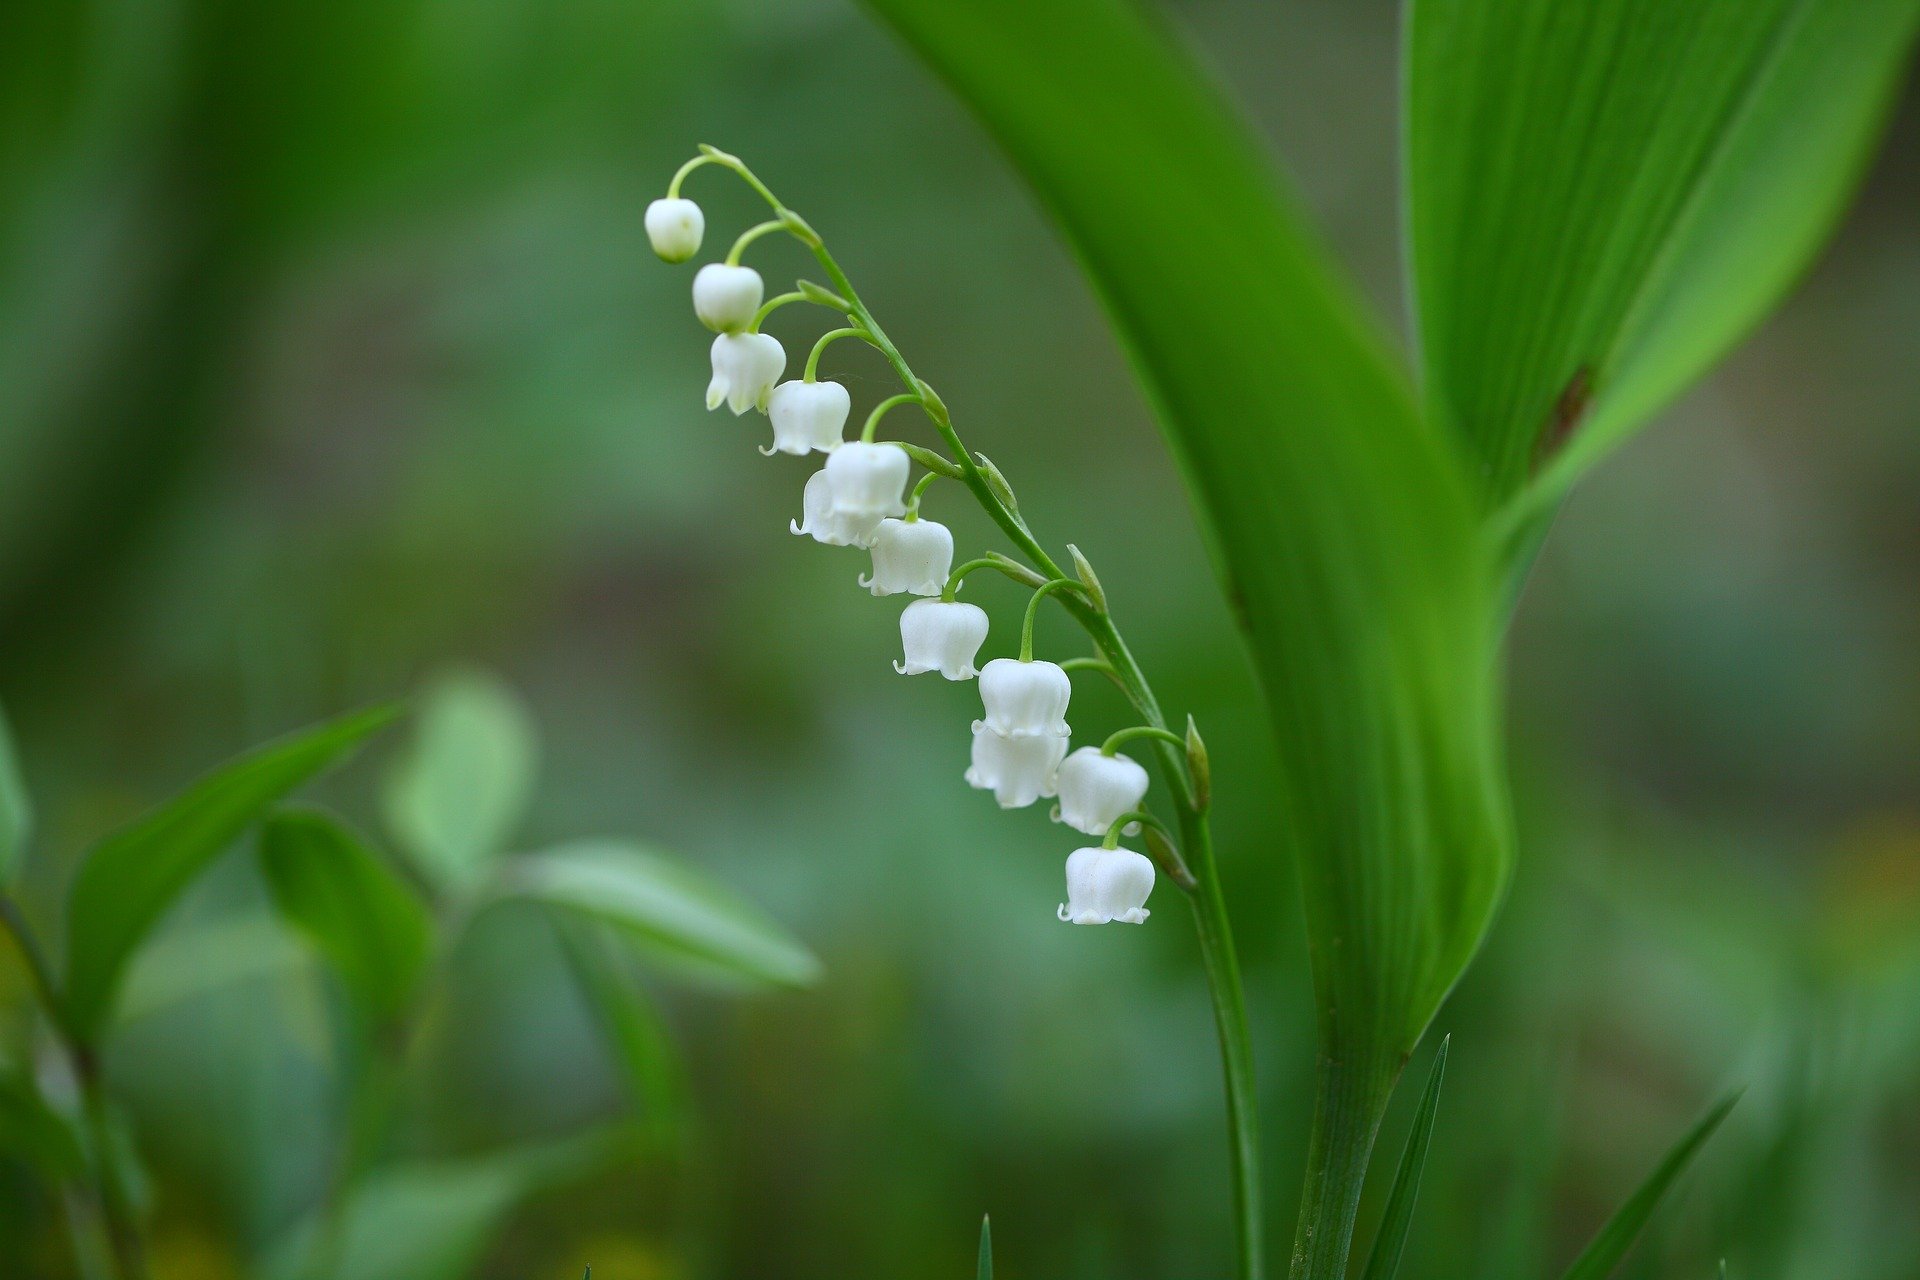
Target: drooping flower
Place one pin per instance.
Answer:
(910, 555)
(1107, 886)
(868, 479)
(745, 367)
(1025, 699)
(819, 521)
(1096, 789)
(675, 227)
(726, 297)
(943, 636)
(1017, 770)
(807, 416)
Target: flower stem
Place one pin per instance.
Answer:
(772, 305)
(1113, 743)
(880, 411)
(1033, 611)
(748, 236)
(827, 339)
(913, 499)
(1210, 913)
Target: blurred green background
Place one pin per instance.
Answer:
(332, 353)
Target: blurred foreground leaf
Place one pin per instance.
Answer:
(1606, 194)
(16, 808)
(1343, 530)
(130, 879)
(462, 784)
(1391, 1241)
(368, 922)
(432, 1220)
(179, 964)
(1611, 1245)
(665, 904)
(34, 1132)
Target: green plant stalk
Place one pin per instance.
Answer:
(1351, 1095)
(116, 1216)
(1219, 958)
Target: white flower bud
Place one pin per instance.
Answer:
(725, 298)
(1107, 886)
(943, 636)
(819, 521)
(807, 416)
(868, 479)
(745, 367)
(1025, 699)
(910, 555)
(675, 227)
(1095, 790)
(1017, 770)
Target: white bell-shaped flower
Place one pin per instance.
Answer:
(943, 636)
(910, 555)
(675, 227)
(1107, 886)
(819, 521)
(1025, 699)
(745, 367)
(807, 416)
(726, 297)
(1096, 789)
(868, 479)
(1017, 770)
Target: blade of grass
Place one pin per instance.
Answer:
(1391, 1241)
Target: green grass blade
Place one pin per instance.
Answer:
(1605, 194)
(129, 879)
(984, 1271)
(16, 808)
(1611, 1245)
(1391, 1241)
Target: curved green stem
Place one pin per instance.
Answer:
(827, 339)
(1112, 839)
(1115, 741)
(748, 236)
(913, 499)
(772, 305)
(880, 411)
(1210, 914)
(985, 562)
(680, 175)
(1033, 611)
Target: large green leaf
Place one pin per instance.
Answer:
(664, 904)
(16, 808)
(462, 784)
(367, 921)
(129, 879)
(1605, 194)
(1343, 530)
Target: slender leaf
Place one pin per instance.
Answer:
(1343, 529)
(665, 904)
(16, 808)
(635, 1034)
(368, 922)
(461, 786)
(1391, 1241)
(983, 1270)
(129, 879)
(432, 1220)
(1606, 194)
(1611, 1245)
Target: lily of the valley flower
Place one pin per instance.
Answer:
(745, 367)
(1096, 789)
(726, 297)
(807, 416)
(868, 479)
(819, 521)
(1107, 886)
(910, 555)
(1025, 699)
(943, 636)
(1017, 770)
(675, 227)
